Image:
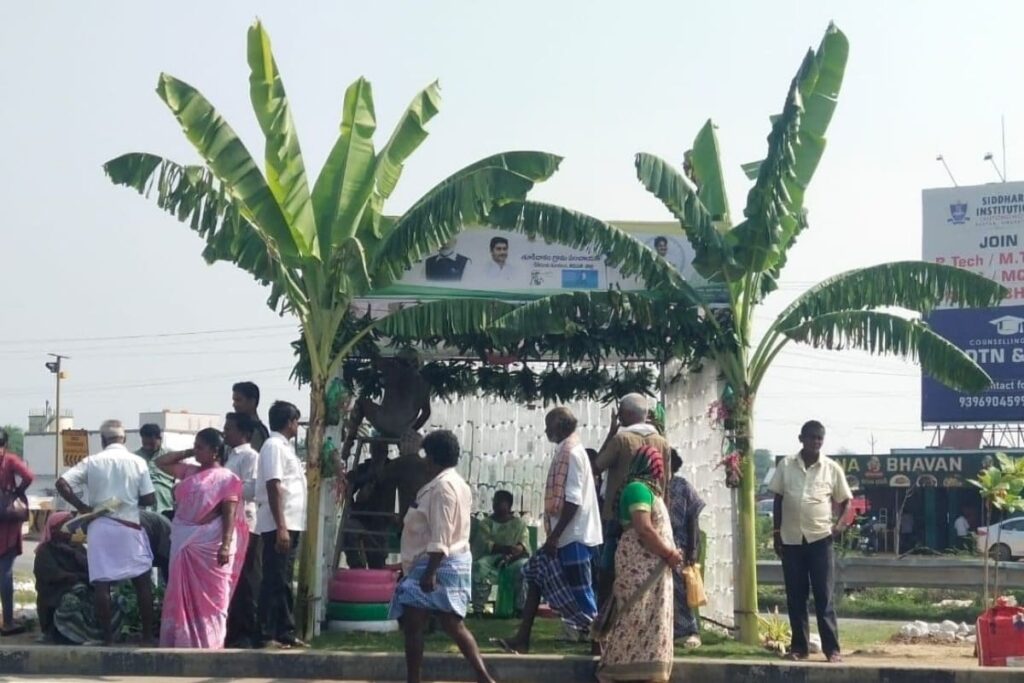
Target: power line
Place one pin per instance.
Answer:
(160, 335)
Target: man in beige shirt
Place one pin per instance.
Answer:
(806, 486)
(625, 437)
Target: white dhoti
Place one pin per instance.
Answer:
(116, 551)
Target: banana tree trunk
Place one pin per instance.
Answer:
(306, 602)
(745, 608)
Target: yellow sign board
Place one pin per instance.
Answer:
(75, 443)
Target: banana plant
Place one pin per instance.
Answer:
(746, 256)
(319, 245)
(1001, 487)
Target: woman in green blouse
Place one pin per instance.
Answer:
(639, 646)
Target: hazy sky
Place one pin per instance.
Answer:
(98, 273)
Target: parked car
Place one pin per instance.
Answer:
(765, 507)
(1004, 541)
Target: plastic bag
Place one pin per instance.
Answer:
(695, 596)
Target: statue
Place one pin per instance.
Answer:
(405, 406)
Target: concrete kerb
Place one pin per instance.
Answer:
(88, 661)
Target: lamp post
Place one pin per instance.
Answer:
(942, 159)
(990, 158)
(54, 367)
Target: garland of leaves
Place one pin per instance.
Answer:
(596, 354)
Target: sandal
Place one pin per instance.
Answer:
(13, 630)
(504, 645)
(795, 657)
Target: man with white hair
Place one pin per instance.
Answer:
(626, 436)
(117, 480)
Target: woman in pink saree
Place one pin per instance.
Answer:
(208, 541)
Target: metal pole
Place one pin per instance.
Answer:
(1003, 124)
(55, 368)
(56, 428)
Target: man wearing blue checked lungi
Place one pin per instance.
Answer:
(560, 572)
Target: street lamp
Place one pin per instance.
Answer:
(942, 159)
(54, 367)
(990, 158)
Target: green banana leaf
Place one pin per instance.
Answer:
(774, 210)
(712, 255)
(232, 165)
(345, 182)
(286, 172)
(885, 333)
(707, 169)
(913, 285)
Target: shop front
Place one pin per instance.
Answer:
(914, 496)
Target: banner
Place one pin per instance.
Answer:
(980, 228)
(487, 263)
(904, 470)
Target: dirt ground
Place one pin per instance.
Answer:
(932, 655)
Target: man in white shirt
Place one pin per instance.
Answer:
(118, 547)
(498, 268)
(560, 572)
(281, 518)
(243, 630)
(962, 526)
(805, 486)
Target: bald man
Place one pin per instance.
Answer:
(626, 436)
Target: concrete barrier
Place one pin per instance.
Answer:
(85, 661)
(909, 572)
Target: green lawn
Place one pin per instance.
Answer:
(548, 638)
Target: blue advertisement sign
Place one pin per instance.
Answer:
(994, 338)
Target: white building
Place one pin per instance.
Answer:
(179, 428)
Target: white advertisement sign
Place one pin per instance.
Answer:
(487, 263)
(980, 228)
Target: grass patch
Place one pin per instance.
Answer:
(548, 638)
(898, 604)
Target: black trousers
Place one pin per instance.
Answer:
(807, 569)
(243, 618)
(277, 599)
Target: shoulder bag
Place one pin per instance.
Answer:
(13, 507)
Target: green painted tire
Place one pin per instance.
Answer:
(357, 611)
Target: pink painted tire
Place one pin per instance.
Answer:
(364, 576)
(347, 591)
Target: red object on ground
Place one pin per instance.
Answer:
(1001, 636)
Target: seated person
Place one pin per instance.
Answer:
(502, 541)
(65, 601)
(59, 566)
(158, 530)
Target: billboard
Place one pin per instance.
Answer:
(487, 263)
(980, 228)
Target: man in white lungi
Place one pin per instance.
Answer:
(117, 546)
